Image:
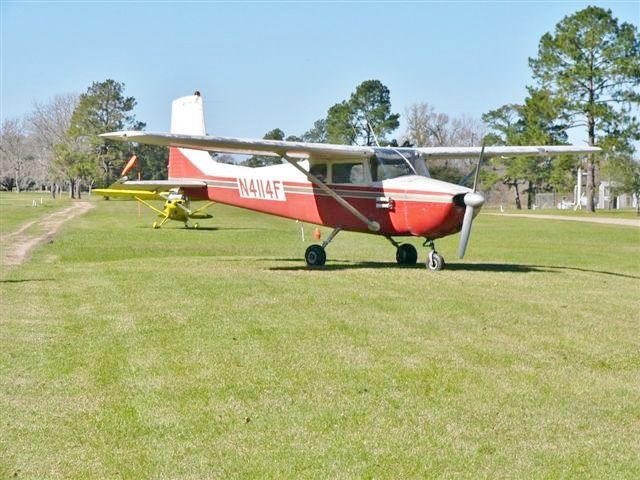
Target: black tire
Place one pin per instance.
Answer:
(406, 254)
(435, 262)
(315, 256)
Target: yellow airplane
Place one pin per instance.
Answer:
(176, 206)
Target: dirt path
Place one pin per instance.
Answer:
(16, 246)
(630, 222)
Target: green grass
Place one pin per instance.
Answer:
(16, 209)
(128, 352)
(622, 213)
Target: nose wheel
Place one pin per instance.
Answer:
(435, 261)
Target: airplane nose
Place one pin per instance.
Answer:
(473, 199)
(470, 199)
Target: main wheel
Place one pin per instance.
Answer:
(435, 261)
(406, 254)
(315, 256)
(155, 225)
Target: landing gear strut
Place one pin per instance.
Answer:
(315, 255)
(435, 261)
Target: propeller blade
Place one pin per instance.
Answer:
(465, 232)
(472, 200)
(184, 209)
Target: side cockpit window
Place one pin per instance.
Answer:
(348, 173)
(319, 170)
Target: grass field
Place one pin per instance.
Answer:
(17, 209)
(128, 352)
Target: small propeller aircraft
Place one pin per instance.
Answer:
(383, 190)
(177, 205)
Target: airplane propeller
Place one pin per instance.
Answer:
(471, 201)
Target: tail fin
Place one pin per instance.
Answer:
(187, 117)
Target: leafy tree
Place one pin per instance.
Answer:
(340, 127)
(153, 161)
(105, 108)
(262, 160)
(364, 117)
(317, 133)
(72, 163)
(592, 63)
(535, 122)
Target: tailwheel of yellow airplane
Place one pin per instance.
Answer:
(315, 256)
(406, 254)
(196, 225)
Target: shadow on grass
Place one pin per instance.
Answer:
(587, 270)
(25, 280)
(480, 267)
(468, 267)
(200, 229)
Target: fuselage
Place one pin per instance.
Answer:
(405, 205)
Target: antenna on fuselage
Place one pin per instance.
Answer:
(375, 137)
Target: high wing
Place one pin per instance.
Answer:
(302, 150)
(500, 151)
(272, 148)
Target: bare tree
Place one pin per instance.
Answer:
(428, 128)
(48, 125)
(16, 158)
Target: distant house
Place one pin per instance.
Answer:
(608, 201)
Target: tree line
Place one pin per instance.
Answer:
(586, 75)
(57, 146)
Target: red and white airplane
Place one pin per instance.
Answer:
(383, 190)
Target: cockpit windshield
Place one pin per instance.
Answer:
(389, 163)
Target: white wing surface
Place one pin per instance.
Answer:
(273, 148)
(500, 151)
(301, 150)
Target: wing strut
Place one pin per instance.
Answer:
(371, 224)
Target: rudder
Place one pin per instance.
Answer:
(187, 118)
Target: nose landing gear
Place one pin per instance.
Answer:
(435, 261)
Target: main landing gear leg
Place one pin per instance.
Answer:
(315, 256)
(435, 261)
(406, 253)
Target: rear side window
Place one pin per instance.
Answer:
(319, 171)
(347, 173)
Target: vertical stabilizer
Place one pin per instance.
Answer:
(187, 115)
(187, 118)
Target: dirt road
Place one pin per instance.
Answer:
(16, 246)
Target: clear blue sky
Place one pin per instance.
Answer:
(277, 64)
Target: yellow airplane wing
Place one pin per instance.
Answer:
(141, 194)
